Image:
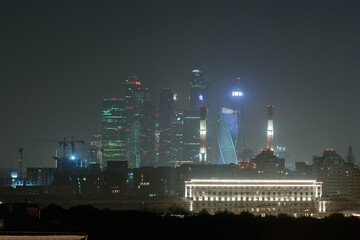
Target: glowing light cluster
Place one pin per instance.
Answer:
(237, 94)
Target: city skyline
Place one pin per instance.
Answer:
(57, 77)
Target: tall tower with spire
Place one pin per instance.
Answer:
(238, 106)
(350, 156)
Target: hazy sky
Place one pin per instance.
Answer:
(59, 59)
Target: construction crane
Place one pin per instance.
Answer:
(64, 143)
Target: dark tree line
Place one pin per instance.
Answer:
(177, 223)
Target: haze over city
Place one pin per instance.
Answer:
(59, 60)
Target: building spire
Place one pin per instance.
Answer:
(350, 156)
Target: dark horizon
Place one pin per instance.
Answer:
(60, 59)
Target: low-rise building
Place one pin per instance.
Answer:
(294, 197)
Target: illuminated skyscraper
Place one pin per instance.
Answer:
(198, 90)
(139, 129)
(198, 96)
(227, 132)
(237, 96)
(113, 129)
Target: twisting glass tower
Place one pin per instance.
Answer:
(227, 132)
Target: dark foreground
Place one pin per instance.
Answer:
(110, 224)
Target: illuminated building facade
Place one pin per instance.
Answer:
(198, 96)
(114, 129)
(203, 130)
(140, 126)
(262, 197)
(227, 136)
(237, 96)
(198, 90)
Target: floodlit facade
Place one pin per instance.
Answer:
(263, 197)
(227, 136)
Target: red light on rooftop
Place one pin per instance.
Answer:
(129, 107)
(132, 83)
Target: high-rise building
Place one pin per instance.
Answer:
(227, 132)
(177, 138)
(113, 130)
(147, 128)
(140, 128)
(198, 90)
(165, 119)
(198, 96)
(238, 106)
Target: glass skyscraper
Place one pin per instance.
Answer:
(227, 132)
(113, 129)
(198, 96)
(198, 90)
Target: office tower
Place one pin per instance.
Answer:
(270, 128)
(198, 90)
(198, 96)
(227, 136)
(238, 105)
(140, 124)
(113, 129)
(147, 128)
(165, 119)
(191, 138)
(202, 151)
(133, 121)
(177, 138)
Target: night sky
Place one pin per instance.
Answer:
(59, 59)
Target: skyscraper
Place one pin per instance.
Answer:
(238, 105)
(140, 127)
(113, 129)
(198, 96)
(165, 120)
(133, 121)
(198, 90)
(177, 138)
(227, 132)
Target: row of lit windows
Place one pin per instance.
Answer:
(252, 193)
(257, 187)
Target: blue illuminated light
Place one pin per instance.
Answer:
(14, 175)
(237, 94)
(201, 97)
(72, 157)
